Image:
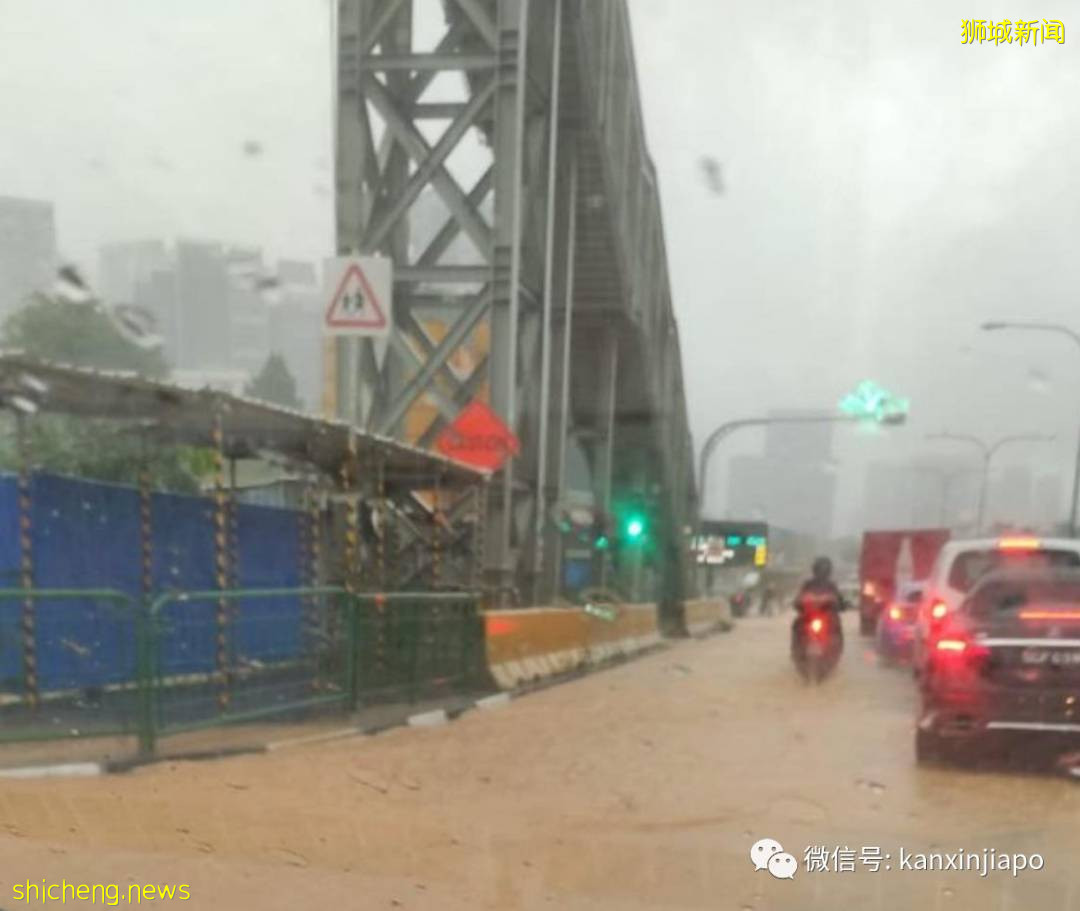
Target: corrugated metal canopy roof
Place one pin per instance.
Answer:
(174, 414)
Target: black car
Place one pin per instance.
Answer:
(1006, 669)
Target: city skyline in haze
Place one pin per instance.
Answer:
(900, 181)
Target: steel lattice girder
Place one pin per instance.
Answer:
(519, 218)
(382, 79)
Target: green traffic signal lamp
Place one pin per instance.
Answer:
(601, 542)
(635, 528)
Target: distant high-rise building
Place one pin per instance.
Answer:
(27, 250)
(203, 286)
(797, 495)
(124, 267)
(903, 495)
(1050, 503)
(886, 496)
(297, 273)
(189, 294)
(249, 338)
(215, 314)
(796, 442)
(748, 483)
(158, 293)
(295, 328)
(1010, 497)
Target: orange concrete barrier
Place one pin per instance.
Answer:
(706, 616)
(632, 628)
(534, 643)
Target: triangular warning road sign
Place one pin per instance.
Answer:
(354, 305)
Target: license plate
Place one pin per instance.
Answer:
(1043, 657)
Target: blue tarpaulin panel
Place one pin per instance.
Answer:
(183, 560)
(86, 535)
(268, 556)
(10, 643)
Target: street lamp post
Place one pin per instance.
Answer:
(996, 325)
(725, 430)
(868, 403)
(987, 451)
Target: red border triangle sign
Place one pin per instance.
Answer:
(360, 302)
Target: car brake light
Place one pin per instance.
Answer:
(939, 610)
(1018, 544)
(956, 653)
(817, 625)
(869, 590)
(895, 613)
(1049, 615)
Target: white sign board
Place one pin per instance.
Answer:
(358, 296)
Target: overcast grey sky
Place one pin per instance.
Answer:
(887, 187)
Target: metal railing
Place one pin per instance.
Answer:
(76, 675)
(418, 644)
(185, 661)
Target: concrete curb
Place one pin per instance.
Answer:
(61, 770)
(310, 739)
(432, 719)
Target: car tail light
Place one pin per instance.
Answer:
(957, 655)
(895, 613)
(939, 610)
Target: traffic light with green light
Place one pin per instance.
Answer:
(634, 527)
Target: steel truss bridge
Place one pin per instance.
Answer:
(544, 284)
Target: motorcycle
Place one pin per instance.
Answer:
(818, 642)
(744, 602)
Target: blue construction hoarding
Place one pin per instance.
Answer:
(86, 535)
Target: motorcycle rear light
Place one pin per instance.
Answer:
(817, 625)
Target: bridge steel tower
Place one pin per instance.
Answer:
(495, 150)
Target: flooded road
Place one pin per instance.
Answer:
(643, 786)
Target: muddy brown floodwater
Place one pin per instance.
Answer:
(639, 787)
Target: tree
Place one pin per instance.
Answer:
(77, 334)
(275, 384)
(82, 335)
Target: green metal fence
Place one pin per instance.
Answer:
(33, 707)
(193, 660)
(418, 644)
(271, 652)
